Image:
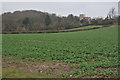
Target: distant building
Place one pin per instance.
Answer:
(88, 19)
(83, 17)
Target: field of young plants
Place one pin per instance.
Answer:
(84, 27)
(92, 53)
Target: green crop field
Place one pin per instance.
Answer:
(85, 27)
(89, 53)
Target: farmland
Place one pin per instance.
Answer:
(91, 53)
(84, 27)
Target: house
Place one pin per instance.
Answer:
(83, 17)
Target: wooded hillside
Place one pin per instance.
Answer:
(32, 20)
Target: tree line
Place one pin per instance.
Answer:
(32, 20)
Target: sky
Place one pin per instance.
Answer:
(91, 9)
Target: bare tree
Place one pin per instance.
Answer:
(112, 13)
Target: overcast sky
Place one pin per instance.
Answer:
(92, 9)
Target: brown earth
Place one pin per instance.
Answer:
(106, 76)
(35, 67)
(50, 68)
(113, 69)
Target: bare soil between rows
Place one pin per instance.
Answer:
(49, 68)
(38, 67)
